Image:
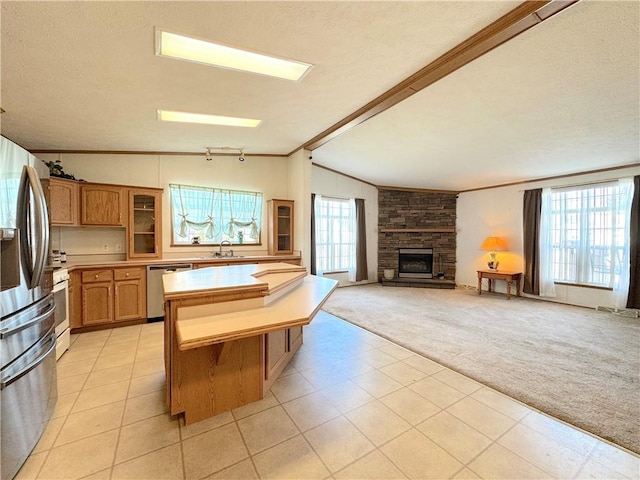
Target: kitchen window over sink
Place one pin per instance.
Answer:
(208, 216)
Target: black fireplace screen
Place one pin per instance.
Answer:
(415, 262)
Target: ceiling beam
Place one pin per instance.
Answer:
(507, 27)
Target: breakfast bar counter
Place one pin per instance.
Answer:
(230, 331)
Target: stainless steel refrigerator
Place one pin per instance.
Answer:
(28, 388)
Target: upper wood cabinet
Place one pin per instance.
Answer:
(102, 204)
(280, 218)
(62, 200)
(145, 223)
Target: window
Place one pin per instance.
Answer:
(208, 216)
(588, 234)
(335, 235)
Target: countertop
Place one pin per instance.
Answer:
(246, 259)
(265, 277)
(289, 297)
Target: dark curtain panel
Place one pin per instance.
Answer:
(313, 234)
(633, 301)
(361, 242)
(532, 208)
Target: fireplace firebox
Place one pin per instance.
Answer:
(415, 262)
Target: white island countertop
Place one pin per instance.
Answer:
(288, 297)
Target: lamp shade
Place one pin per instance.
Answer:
(493, 244)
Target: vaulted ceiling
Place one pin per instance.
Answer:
(561, 97)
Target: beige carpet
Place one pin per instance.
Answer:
(574, 363)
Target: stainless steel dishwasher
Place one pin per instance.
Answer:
(155, 292)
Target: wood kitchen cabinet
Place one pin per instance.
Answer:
(130, 287)
(97, 297)
(109, 296)
(145, 223)
(279, 348)
(102, 204)
(276, 349)
(62, 200)
(280, 223)
(295, 338)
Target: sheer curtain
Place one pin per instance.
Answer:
(547, 286)
(335, 233)
(243, 210)
(215, 214)
(194, 208)
(621, 282)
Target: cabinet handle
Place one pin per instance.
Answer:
(127, 275)
(96, 277)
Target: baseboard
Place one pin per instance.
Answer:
(623, 312)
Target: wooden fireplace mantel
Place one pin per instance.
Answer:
(420, 230)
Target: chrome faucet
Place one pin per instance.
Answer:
(228, 244)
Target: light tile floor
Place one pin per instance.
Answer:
(350, 405)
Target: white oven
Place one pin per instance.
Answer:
(61, 314)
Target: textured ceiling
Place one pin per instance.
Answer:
(561, 98)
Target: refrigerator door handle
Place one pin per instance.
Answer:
(12, 378)
(34, 236)
(7, 332)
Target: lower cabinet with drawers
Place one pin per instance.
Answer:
(113, 296)
(108, 296)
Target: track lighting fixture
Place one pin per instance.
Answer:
(209, 152)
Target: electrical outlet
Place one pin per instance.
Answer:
(105, 247)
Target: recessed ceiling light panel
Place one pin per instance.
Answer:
(171, 116)
(195, 50)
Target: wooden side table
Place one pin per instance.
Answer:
(508, 277)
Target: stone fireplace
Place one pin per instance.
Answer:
(415, 263)
(417, 220)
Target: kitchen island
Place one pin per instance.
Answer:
(230, 331)
(114, 293)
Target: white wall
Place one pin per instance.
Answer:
(268, 175)
(325, 182)
(300, 192)
(498, 212)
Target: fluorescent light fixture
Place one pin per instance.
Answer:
(186, 48)
(170, 116)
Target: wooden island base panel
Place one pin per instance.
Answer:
(230, 331)
(508, 277)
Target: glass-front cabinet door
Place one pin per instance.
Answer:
(280, 227)
(145, 229)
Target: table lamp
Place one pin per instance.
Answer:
(493, 245)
